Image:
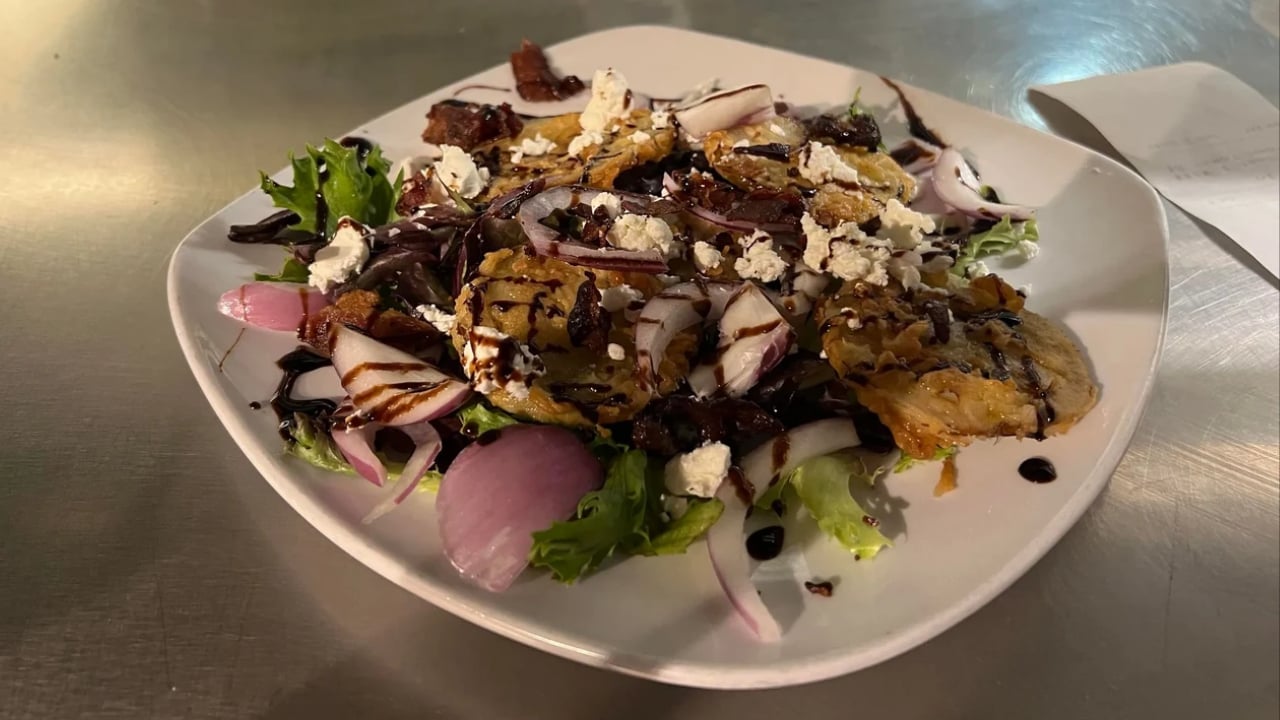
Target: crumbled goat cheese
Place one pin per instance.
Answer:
(822, 164)
(698, 472)
(1028, 249)
(902, 226)
(459, 173)
(642, 232)
(616, 352)
(531, 147)
(609, 101)
(660, 119)
(620, 297)
(706, 256)
(611, 203)
(341, 258)
(482, 362)
(760, 261)
(443, 321)
(845, 252)
(640, 137)
(583, 141)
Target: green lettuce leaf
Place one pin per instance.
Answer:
(1001, 238)
(315, 447)
(855, 106)
(906, 462)
(483, 418)
(822, 484)
(352, 188)
(293, 271)
(608, 519)
(682, 531)
(301, 197)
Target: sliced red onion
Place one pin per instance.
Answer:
(776, 458)
(645, 261)
(673, 188)
(754, 337)
(746, 105)
(732, 565)
(356, 444)
(667, 313)
(760, 469)
(955, 184)
(805, 288)
(427, 444)
(495, 495)
(274, 306)
(390, 386)
(547, 242)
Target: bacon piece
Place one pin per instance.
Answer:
(468, 125)
(534, 79)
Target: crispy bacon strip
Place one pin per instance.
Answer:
(534, 79)
(467, 125)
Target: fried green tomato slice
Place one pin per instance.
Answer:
(942, 370)
(555, 309)
(634, 143)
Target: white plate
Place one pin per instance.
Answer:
(1102, 271)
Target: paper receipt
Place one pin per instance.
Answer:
(1205, 140)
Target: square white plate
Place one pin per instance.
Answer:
(1102, 271)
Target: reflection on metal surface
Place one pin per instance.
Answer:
(1267, 14)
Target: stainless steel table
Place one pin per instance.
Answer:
(147, 571)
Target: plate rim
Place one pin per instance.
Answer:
(692, 674)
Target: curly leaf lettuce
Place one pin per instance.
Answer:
(293, 271)
(624, 516)
(607, 519)
(352, 187)
(313, 445)
(906, 462)
(480, 418)
(680, 534)
(822, 484)
(1003, 237)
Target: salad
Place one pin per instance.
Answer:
(622, 330)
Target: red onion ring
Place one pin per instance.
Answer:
(427, 445)
(672, 186)
(495, 495)
(273, 306)
(760, 469)
(754, 337)
(667, 313)
(390, 386)
(746, 105)
(955, 185)
(732, 565)
(546, 241)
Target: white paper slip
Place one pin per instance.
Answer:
(1205, 140)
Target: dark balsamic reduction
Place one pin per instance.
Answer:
(766, 543)
(1038, 470)
(825, 588)
(363, 147)
(772, 151)
(296, 364)
(255, 405)
(915, 125)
